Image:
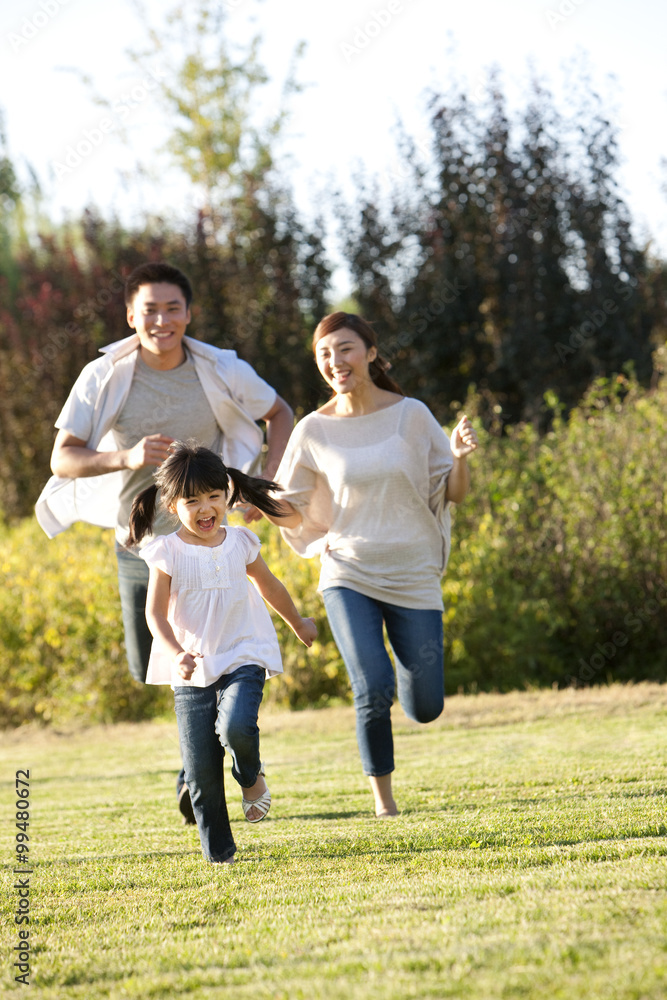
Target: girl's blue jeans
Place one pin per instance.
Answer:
(417, 642)
(222, 716)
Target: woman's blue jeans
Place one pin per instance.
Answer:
(417, 642)
(222, 716)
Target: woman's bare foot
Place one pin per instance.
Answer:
(385, 807)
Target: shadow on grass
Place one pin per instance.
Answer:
(133, 857)
(75, 779)
(304, 817)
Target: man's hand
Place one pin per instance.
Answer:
(151, 450)
(73, 459)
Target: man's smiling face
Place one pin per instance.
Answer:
(160, 316)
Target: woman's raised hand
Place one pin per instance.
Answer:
(464, 438)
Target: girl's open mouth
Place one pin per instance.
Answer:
(206, 523)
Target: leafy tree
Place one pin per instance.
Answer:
(517, 269)
(261, 273)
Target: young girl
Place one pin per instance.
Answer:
(214, 641)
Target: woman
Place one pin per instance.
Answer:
(367, 482)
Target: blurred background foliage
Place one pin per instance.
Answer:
(556, 577)
(503, 277)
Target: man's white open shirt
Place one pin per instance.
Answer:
(235, 392)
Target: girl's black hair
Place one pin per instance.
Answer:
(192, 469)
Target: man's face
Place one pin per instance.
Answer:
(160, 316)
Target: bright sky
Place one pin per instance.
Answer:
(366, 64)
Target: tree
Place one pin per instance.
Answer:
(262, 272)
(519, 271)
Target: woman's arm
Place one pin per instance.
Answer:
(463, 442)
(458, 482)
(157, 605)
(292, 518)
(276, 595)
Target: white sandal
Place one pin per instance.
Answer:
(262, 804)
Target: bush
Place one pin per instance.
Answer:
(556, 577)
(557, 573)
(61, 632)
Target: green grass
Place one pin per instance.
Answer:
(528, 860)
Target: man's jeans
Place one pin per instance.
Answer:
(222, 716)
(133, 575)
(417, 642)
(132, 585)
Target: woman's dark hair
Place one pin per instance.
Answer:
(191, 469)
(378, 367)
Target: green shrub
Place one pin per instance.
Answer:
(61, 632)
(557, 577)
(558, 566)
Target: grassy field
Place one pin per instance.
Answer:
(528, 860)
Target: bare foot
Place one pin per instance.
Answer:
(384, 800)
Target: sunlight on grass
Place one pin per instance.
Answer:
(528, 860)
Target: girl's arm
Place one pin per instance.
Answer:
(157, 605)
(275, 594)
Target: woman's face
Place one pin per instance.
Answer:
(343, 359)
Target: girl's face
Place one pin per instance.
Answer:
(343, 359)
(202, 515)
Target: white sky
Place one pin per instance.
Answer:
(346, 116)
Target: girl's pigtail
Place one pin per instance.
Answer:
(142, 514)
(256, 491)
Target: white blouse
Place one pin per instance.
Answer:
(214, 609)
(371, 492)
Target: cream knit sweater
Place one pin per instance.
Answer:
(371, 491)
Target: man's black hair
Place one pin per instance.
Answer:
(153, 273)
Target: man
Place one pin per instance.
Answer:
(125, 410)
